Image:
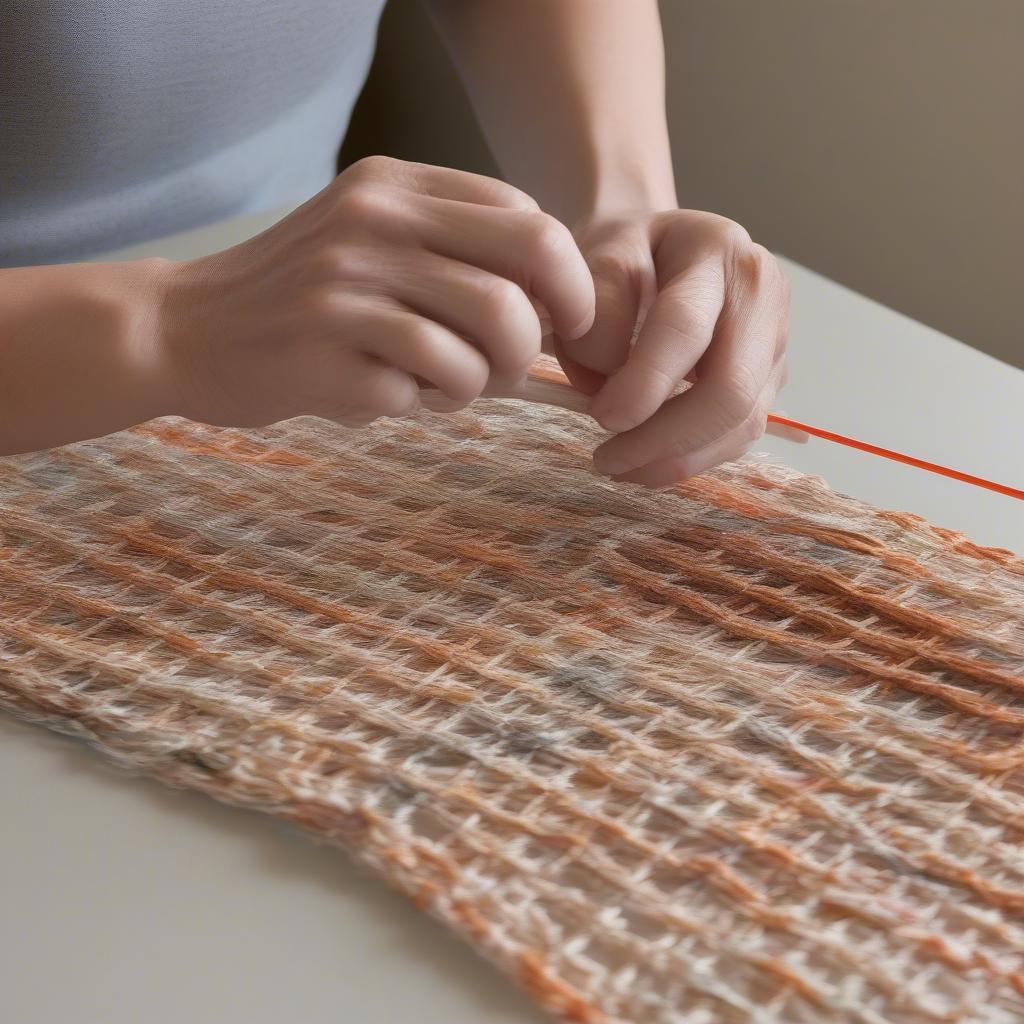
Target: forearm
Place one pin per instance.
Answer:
(77, 352)
(571, 97)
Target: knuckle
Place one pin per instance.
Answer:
(520, 200)
(759, 268)
(614, 270)
(320, 306)
(509, 315)
(547, 239)
(738, 236)
(366, 202)
(749, 264)
(371, 167)
(334, 263)
(501, 193)
(502, 300)
(656, 375)
(687, 315)
(462, 378)
(721, 233)
(426, 337)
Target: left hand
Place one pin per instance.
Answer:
(705, 304)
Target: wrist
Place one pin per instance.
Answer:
(175, 362)
(626, 189)
(617, 181)
(143, 290)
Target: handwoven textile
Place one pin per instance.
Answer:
(743, 751)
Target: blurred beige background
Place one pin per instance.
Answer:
(880, 142)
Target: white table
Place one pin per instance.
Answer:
(126, 902)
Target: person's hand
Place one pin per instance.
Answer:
(396, 275)
(712, 309)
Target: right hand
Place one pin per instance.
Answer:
(396, 275)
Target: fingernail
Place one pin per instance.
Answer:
(611, 464)
(612, 419)
(583, 327)
(616, 421)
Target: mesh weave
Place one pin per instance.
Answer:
(745, 751)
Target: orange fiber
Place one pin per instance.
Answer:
(549, 372)
(888, 453)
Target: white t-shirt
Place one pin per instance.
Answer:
(121, 120)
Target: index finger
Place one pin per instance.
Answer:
(738, 364)
(445, 182)
(528, 247)
(675, 334)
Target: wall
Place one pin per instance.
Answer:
(880, 142)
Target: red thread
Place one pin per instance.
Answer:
(887, 453)
(549, 371)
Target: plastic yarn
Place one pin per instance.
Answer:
(745, 751)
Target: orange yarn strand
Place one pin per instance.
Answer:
(548, 384)
(888, 453)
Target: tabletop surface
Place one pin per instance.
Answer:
(124, 901)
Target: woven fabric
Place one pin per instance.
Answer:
(745, 751)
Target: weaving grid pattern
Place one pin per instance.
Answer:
(745, 751)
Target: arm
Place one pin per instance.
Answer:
(395, 276)
(77, 352)
(571, 97)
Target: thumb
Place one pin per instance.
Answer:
(618, 287)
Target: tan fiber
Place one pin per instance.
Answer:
(745, 751)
